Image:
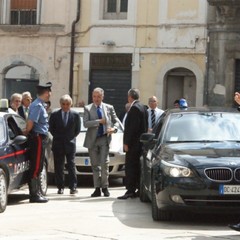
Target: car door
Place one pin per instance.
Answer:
(19, 160)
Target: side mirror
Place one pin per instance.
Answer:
(147, 138)
(20, 139)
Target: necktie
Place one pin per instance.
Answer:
(100, 128)
(153, 118)
(26, 112)
(65, 118)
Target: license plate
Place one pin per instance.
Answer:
(229, 189)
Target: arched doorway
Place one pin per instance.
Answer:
(20, 79)
(180, 83)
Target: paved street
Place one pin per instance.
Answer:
(82, 217)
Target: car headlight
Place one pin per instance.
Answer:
(173, 170)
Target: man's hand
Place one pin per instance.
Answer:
(125, 148)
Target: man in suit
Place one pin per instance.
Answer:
(23, 110)
(136, 123)
(64, 125)
(154, 112)
(100, 120)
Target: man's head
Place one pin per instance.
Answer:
(97, 96)
(153, 102)
(176, 103)
(15, 101)
(26, 99)
(133, 94)
(65, 102)
(44, 91)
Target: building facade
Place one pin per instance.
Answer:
(223, 52)
(157, 46)
(35, 40)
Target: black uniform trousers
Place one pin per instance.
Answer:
(37, 146)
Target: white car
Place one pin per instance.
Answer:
(82, 160)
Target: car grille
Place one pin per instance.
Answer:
(222, 174)
(85, 154)
(215, 201)
(88, 169)
(237, 174)
(219, 174)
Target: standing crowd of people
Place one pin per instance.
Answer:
(101, 122)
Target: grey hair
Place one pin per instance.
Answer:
(134, 93)
(66, 98)
(99, 90)
(26, 94)
(15, 95)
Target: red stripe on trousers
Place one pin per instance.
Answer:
(38, 157)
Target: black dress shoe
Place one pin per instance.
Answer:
(38, 199)
(235, 227)
(60, 191)
(73, 191)
(96, 193)
(128, 195)
(106, 193)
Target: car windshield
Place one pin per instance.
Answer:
(203, 127)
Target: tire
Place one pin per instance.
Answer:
(43, 184)
(157, 214)
(142, 192)
(3, 191)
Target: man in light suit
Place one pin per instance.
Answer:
(100, 120)
(65, 125)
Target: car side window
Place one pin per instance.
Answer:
(2, 131)
(20, 123)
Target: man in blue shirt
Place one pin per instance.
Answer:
(37, 130)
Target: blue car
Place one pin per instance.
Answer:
(14, 161)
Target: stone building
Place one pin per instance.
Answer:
(157, 46)
(223, 52)
(35, 40)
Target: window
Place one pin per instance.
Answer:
(115, 9)
(23, 12)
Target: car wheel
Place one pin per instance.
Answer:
(158, 214)
(3, 191)
(43, 180)
(142, 192)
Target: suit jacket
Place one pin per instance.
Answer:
(136, 123)
(21, 112)
(91, 122)
(64, 136)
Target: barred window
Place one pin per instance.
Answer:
(115, 9)
(23, 12)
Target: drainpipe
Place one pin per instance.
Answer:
(72, 51)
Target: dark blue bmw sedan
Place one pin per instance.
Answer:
(192, 164)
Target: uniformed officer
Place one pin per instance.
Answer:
(37, 130)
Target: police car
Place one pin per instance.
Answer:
(14, 161)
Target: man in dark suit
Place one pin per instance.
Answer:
(100, 120)
(136, 123)
(23, 110)
(64, 125)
